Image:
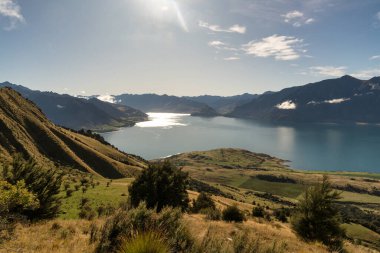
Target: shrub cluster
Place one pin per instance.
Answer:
(203, 201)
(233, 214)
(43, 183)
(124, 226)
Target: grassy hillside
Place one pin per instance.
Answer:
(68, 233)
(27, 131)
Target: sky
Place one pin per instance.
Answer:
(185, 47)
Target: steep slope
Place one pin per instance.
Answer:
(341, 100)
(165, 103)
(224, 105)
(26, 130)
(77, 113)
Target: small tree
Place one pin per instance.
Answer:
(316, 218)
(204, 201)
(233, 213)
(258, 211)
(160, 185)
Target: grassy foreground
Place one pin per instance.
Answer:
(235, 177)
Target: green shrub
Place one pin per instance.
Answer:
(258, 211)
(124, 225)
(281, 214)
(233, 213)
(44, 183)
(149, 242)
(14, 200)
(203, 201)
(316, 218)
(160, 185)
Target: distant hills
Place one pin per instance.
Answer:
(224, 105)
(340, 100)
(165, 103)
(78, 113)
(26, 130)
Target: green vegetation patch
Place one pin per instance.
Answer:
(116, 192)
(362, 234)
(282, 189)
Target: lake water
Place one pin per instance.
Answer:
(307, 146)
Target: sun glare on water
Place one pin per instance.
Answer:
(163, 120)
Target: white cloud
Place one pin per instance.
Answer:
(287, 105)
(107, 98)
(329, 70)
(292, 15)
(221, 45)
(375, 57)
(238, 29)
(11, 10)
(331, 101)
(297, 18)
(366, 74)
(232, 58)
(216, 43)
(378, 15)
(283, 48)
(336, 100)
(216, 28)
(309, 21)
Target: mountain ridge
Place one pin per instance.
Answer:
(78, 113)
(340, 100)
(26, 130)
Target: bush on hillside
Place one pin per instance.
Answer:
(258, 211)
(14, 199)
(316, 218)
(123, 226)
(233, 214)
(160, 185)
(281, 214)
(44, 183)
(203, 201)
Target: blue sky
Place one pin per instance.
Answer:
(185, 47)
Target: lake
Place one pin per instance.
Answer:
(307, 146)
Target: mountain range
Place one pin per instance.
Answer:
(78, 113)
(165, 103)
(341, 100)
(26, 130)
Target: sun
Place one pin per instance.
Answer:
(166, 11)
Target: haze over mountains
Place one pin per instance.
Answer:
(165, 103)
(26, 130)
(340, 100)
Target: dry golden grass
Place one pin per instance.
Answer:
(265, 232)
(73, 236)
